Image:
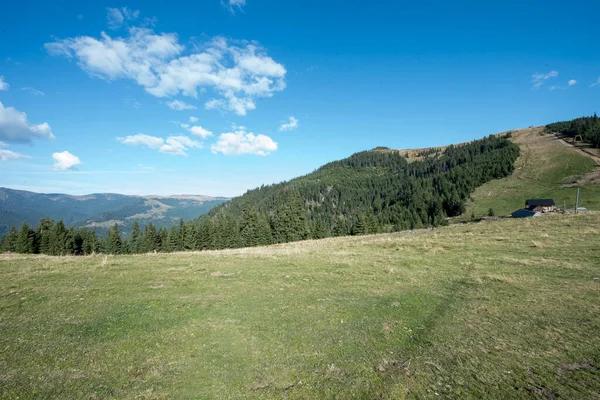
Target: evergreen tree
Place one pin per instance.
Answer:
(136, 242)
(26, 240)
(162, 241)
(113, 243)
(44, 230)
(151, 240)
(9, 243)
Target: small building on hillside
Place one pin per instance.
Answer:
(525, 213)
(540, 205)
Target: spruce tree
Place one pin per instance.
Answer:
(136, 238)
(113, 243)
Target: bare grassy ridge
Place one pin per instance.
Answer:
(498, 310)
(546, 165)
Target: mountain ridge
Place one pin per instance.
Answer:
(100, 210)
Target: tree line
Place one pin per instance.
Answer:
(368, 192)
(586, 129)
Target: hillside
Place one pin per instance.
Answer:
(372, 191)
(99, 211)
(547, 168)
(477, 311)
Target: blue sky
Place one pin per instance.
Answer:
(92, 92)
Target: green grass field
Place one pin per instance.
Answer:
(544, 166)
(496, 310)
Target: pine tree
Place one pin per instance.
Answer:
(58, 239)
(113, 244)
(162, 240)
(151, 240)
(189, 239)
(136, 238)
(26, 240)
(44, 230)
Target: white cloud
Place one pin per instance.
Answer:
(240, 142)
(176, 145)
(238, 72)
(14, 127)
(572, 82)
(200, 131)
(179, 105)
(33, 91)
(233, 4)
(141, 139)
(116, 17)
(195, 130)
(290, 125)
(3, 84)
(193, 119)
(595, 83)
(6, 155)
(539, 79)
(64, 161)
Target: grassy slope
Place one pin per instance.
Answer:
(544, 165)
(509, 309)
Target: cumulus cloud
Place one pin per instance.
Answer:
(118, 16)
(33, 91)
(175, 145)
(232, 5)
(197, 130)
(178, 105)
(290, 125)
(6, 155)
(238, 72)
(572, 82)
(3, 84)
(64, 161)
(193, 119)
(539, 79)
(15, 128)
(241, 142)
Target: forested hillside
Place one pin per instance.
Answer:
(99, 211)
(368, 192)
(586, 129)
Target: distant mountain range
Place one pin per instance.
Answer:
(100, 210)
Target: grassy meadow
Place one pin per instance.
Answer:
(544, 166)
(496, 310)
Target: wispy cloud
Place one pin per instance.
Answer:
(538, 79)
(33, 91)
(174, 145)
(178, 105)
(292, 124)
(193, 119)
(118, 16)
(6, 155)
(3, 84)
(572, 82)
(242, 142)
(233, 5)
(64, 161)
(595, 83)
(195, 130)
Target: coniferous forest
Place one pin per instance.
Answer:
(368, 192)
(586, 129)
